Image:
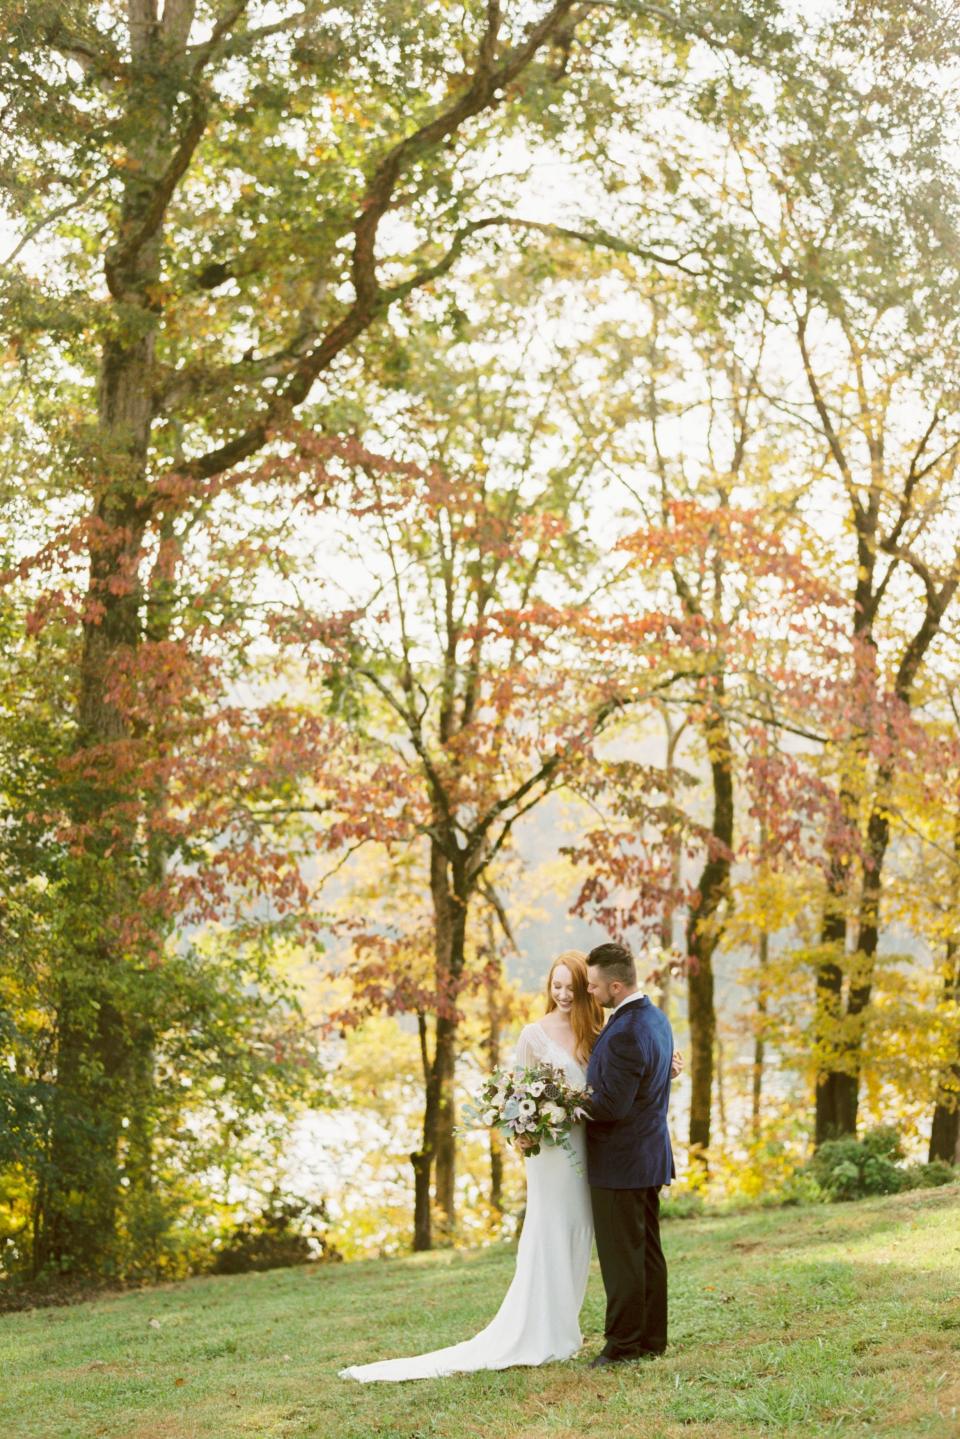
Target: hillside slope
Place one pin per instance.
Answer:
(827, 1321)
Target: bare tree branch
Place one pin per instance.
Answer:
(60, 210)
(826, 422)
(178, 18)
(224, 44)
(120, 256)
(499, 909)
(485, 90)
(100, 58)
(605, 241)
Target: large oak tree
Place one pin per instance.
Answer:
(228, 199)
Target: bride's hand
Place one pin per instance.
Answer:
(676, 1064)
(522, 1143)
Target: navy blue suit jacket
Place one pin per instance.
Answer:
(628, 1142)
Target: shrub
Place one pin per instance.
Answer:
(770, 1170)
(798, 1187)
(854, 1168)
(287, 1231)
(929, 1176)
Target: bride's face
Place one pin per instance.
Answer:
(561, 988)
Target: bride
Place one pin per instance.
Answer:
(539, 1319)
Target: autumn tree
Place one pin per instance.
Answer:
(468, 651)
(698, 457)
(211, 184)
(829, 215)
(921, 897)
(389, 970)
(945, 1124)
(862, 238)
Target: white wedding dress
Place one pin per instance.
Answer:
(539, 1319)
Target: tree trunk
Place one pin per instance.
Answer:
(846, 1080)
(702, 1017)
(425, 1157)
(702, 933)
(76, 1212)
(945, 1130)
(670, 905)
(832, 1096)
(759, 1042)
(77, 1217)
(422, 1159)
(422, 1228)
(830, 1117)
(437, 1153)
(838, 1089)
(496, 1171)
(445, 1059)
(494, 980)
(721, 1091)
(444, 1195)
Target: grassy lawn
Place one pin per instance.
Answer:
(842, 1320)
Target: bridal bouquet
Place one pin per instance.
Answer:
(538, 1104)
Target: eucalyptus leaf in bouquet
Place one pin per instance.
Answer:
(537, 1104)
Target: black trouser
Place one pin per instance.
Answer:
(627, 1225)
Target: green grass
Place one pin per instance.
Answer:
(842, 1320)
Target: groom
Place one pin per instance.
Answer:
(629, 1156)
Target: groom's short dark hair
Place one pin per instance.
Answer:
(615, 960)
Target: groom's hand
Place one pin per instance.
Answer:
(676, 1063)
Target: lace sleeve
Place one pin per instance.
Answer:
(528, 1052)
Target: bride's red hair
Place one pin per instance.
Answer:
(586, 1016)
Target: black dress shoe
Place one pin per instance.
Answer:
(603, 1360)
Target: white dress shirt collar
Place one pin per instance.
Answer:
(637, 994)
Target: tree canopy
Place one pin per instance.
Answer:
(419, 421)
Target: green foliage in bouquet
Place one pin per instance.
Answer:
(536, 1104)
